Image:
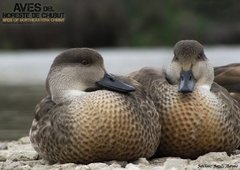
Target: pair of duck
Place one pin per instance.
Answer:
(90, 115)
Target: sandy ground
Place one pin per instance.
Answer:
(19, 155)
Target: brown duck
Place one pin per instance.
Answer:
(228, 76)
(197, 115)
(90, 116)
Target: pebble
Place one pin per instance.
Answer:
(19, 155)
(3, 146)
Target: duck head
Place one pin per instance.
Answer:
(190, 67)
(81, 70)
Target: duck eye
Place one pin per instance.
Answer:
(176, 58)
(84, 62)
(200, 56)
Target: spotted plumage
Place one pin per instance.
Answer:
(94, 121)
(197, 115)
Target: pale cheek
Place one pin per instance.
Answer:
(198, 70)
(196, 73)
(174, 72)
(177, 71)
(96, 75)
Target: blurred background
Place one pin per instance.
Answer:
(130, 34)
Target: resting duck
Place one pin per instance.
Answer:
(228, 76)
(197, 115)
(90, 116)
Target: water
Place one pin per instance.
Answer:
(23, 74)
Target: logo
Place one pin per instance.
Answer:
(32, 13)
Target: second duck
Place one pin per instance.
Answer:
(197, 115)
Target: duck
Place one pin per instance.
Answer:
(228, 76)
(197, 115)
(90, 115)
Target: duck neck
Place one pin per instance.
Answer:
(204, 85)
(206, 82)
(66, 95)
(62, 85)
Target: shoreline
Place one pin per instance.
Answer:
(20, 155)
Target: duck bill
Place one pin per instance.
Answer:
(111, 83)
(187, 82)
